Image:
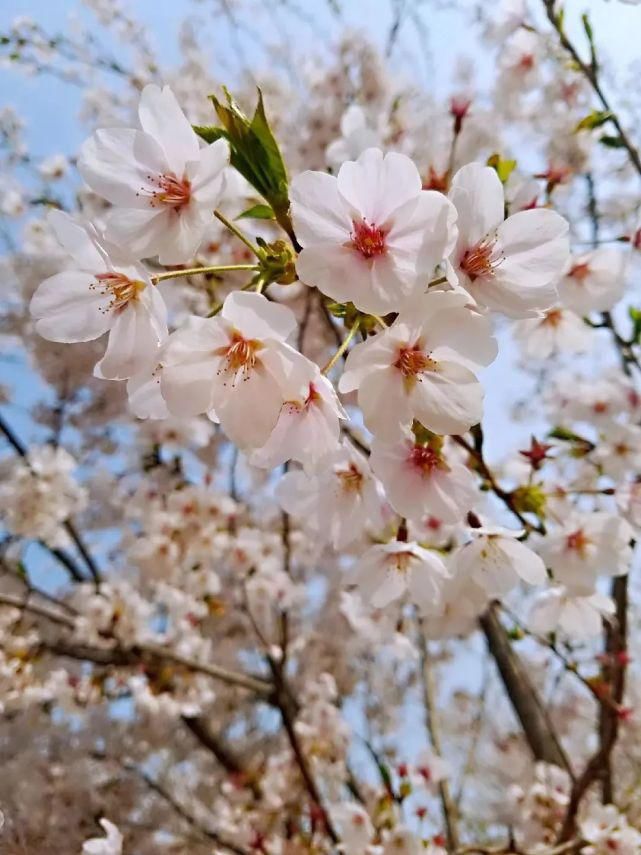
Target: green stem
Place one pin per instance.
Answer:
(341, 350)
(239, 234)
(194, 271)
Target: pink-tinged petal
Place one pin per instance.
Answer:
(546, 611)
(377, 353)
(141, 230)
(477, 194)
(249, 411)
(535, 245)
(375, 186)
(318, 212)
(196, 339)
(207, 174)
(69, 308)
(116, 164)
(133, 343)
(449, 400)
(79, 240)
(424, 236)
(257, 317)
(292, 371)
(145, 396)
(183, 234)
(161, 117)
(527, 564)
(385, 404)
(188, 387)
(454, 332)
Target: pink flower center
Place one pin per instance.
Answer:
(121, 287)
(171, 192)
(580, 272)
(477, 261)
(426, 459)
(368, 239)
(552, 318)
(351, 479)
(577, 542)
(411, 361)
(240, 355)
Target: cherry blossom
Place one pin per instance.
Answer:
(594, 281)
(573, 616)
(106, 291)
(339, 503)
(496, 561)
(388, 570)
(586, 546)
(307, 429)
(370, 235)
(162, 184)
(422, 368)
(420, 480)
(510, 266)
(237, 367)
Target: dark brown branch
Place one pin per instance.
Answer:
(525, 700)
(216, 745)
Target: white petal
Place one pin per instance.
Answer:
(161, 117)
(133, 345)
(477, 193)
(449, 400)
(79, 240)
(528, 565)
(374, 186)
(208, 173)
(319, 214)
(70, 308)
(116, 164)
(257, 317)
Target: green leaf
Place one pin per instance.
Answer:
(587, 26)
(254, 150)
(209, 133)
(594, 120)
(257, 212)
(611, 142)
(503, 168)
(635, 317)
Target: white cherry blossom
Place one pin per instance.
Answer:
(236, 366)
(594, 281)
(496, 561)
(370, 235)
(572, 615)
(422, 368)
(105, 291)
(388, 570)
(307, 430)
(557, 330)
(338, 503)
(510, 266)
(162, 183)
(419, 480)
(586, 546)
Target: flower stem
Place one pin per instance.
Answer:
(239, 234)
(341, 350)
(194, 271)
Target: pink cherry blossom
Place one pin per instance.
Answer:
(511, 266)
(422, 368)
(162, 183)
(371, 235)
(106, 291)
